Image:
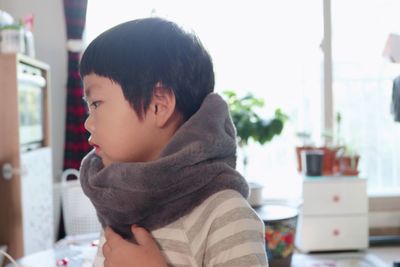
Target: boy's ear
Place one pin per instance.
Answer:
(162, 104)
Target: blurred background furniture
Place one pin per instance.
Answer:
(334, 215)
(72, 251)
(26, 204)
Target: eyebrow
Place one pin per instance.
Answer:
(87, 93)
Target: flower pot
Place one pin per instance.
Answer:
(330, 160)
(312, 162)
(348, 165)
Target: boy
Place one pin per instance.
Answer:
(162, 173)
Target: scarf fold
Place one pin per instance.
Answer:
(198, 161)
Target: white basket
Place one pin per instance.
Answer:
(79, 213)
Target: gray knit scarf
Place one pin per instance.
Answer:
(198, 161)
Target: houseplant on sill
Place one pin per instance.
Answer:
(250, 125)
(347, 157)
(346, 162)
(339, 159)
(279, 225)
(328, 150)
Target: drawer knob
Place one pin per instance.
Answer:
(8, 171)
(336, 198)
(336, 232)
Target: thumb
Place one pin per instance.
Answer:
(111, 236)
(142, 236)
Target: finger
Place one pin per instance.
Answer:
(111, 236)
(106, 250)
(107, 263)
(142, 236)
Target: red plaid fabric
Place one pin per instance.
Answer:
(76, 145)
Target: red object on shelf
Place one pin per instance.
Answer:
(330, 161)
(348, 165)
(333, 164)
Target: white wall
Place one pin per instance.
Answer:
(50, 38)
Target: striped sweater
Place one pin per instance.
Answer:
(223, 231)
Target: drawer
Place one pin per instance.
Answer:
(332, 233)
(335, 196)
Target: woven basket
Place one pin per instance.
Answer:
(79, 213)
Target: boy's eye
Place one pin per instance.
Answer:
(95, 104)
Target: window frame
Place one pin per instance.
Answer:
(380, 205)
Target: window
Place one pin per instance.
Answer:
(272, 49)
(362, 87)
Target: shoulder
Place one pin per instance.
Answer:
(226, 230)
(230, 215)
(224, 206)
(218, 210)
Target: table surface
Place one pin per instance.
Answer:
(374, 256)
(78, 250)
(387, 254)
(83, 255)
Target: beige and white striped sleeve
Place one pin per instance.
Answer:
(234, 232)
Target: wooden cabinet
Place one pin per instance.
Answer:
(334, 215)
(26, 180)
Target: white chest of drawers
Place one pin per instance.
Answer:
(334, 215)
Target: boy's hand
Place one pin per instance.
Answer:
(121, 253)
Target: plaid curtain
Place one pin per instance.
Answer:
(76, 145)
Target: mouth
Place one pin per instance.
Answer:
(96, 147)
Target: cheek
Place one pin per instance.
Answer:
(108, 131)
(126, 148)
(116, 146)
(121, 134)
(123, 137)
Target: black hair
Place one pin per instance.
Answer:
(140, 53)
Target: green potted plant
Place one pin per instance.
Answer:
(249, 124)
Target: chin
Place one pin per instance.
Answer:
(106, 162)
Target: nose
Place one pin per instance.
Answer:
(89, 125)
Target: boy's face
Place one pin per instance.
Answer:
(116, 131)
